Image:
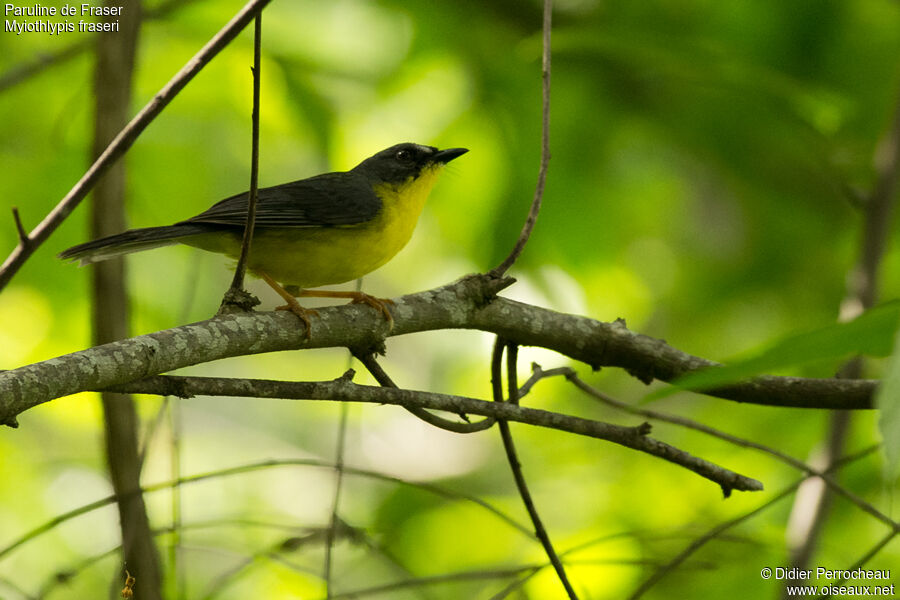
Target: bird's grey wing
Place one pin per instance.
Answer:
(328, 200)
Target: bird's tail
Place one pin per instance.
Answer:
(133, 240)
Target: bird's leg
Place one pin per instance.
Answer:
(356, 298)
(292, 304)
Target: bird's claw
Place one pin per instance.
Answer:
(379, 304)
(302, 313)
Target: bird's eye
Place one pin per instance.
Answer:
(404, 155)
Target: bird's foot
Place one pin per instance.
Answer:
(379, 304)
(303, 313)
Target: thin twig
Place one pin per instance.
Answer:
(508, 262)
(449, 494)
(414, 582)
(276, 552)
(539, 374)
(344, 390)
(273, 552)
(825, 475)
(517, 584)
(715, 532)
(170, 411)
(879, 545)
(331, 532)
(710, 535)
(512, 457)
(367, 358)
(126, 138)
(341, 446)
(176, 549)
(526, 572)
(23, 235)
(237, 284)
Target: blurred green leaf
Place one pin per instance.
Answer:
(871, 334)
(887, 400)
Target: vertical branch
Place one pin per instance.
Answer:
(512, 455)
(508, 262)
(235, 294)
(112, 87)
(331, 533)
(813, 501)
(175, 548)
(879, 210)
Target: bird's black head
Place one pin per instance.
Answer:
(402, 162)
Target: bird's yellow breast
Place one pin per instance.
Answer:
(317, 256)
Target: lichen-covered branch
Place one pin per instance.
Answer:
(465, 304)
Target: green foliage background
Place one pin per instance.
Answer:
(705, 159)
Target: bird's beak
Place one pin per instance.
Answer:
(445, 156)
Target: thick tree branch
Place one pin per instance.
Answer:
(463, 304)
(344, 390)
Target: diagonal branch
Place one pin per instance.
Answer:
(710, 535)
(861, 561)
(125, 139)
(717, 530)
(431, 488)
